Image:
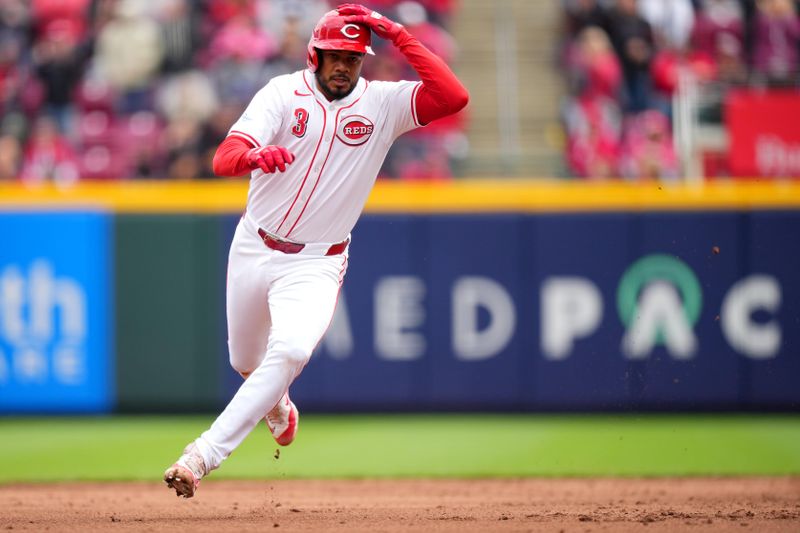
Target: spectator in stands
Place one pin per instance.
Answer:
(59, 58)
(15, 22)
(593, 132)
(717, 20)
(187, 96)
(415, 160)
(101, 12)
(293, 49)
(180, 28)
(581, 14)
(299, 16)
(717, 40)
(440, 11)
(182, 139)
(594, 68)
(592, 117)
(187, 100)
(48, 156)
(647, 149)
(10, 157)
(669, 65)
(730, 67)
(240, 37)
(128, 55)
(414, 17)
(633, 41)
(14, 75)
(237, 56)
(776, 35)
(222, 11)
(671, 20)
(141, 136)
(138, 89)
(64, 13)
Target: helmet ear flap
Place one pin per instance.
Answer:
(313, 58)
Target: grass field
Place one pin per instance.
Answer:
(478, 445)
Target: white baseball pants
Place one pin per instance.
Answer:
(279, 306)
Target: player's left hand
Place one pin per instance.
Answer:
(383, 27)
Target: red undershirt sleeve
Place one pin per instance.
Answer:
(441, 93)
(230, 160)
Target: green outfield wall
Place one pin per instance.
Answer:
(170, 311)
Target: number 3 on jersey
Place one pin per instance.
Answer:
(301, 119)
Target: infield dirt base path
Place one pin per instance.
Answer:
(568, 505)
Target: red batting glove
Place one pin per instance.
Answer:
(269, 158)
(353, 9)
(382, 26)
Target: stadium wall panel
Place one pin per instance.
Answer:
(462, 296)
(56, 312)
(609, 311)
(169, 312)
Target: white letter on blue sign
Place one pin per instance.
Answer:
(470, 294)
(660, 311)
(750, 338)
(571, 308)
(398, 309)
(12, 302)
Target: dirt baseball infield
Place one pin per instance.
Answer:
(569, 505)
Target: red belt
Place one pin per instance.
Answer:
(295, 247)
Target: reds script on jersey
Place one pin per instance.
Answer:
(339, 148)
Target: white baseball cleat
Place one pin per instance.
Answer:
(184, 476)
(283, 420)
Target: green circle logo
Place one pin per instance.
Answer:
(658, 267)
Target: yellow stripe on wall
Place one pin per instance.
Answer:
(470, 196)
(131, 196)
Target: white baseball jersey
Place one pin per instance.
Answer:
(280, 304)
(339, 148)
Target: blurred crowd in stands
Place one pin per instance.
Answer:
(624, 59)
(138, 89)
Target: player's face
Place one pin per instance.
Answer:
(338, 73)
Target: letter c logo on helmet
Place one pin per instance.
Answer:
(333, 32)
(349, 27)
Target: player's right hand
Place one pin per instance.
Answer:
(353, 9)
(269, 158)
(383, 27)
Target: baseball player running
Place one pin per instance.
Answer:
(313, 143)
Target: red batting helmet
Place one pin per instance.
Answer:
(332, 32)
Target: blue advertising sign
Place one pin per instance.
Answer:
(773, 343)
(55, 313)
(581, 311)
